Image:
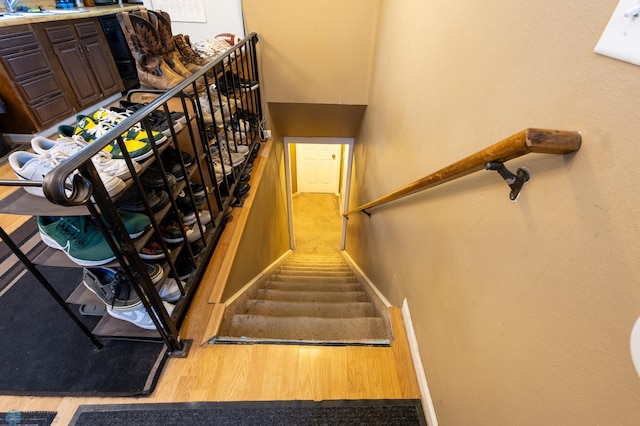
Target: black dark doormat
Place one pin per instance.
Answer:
(388, 412)
(32, 418)
(44, 353)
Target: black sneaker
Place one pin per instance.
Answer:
(172, 154)
(152, 178)
(131, 200)
(241, 82)
(184, 265)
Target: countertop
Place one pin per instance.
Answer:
(92, 11)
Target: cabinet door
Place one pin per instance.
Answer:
(78, 71)
(99, 59)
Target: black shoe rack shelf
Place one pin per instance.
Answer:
(87, 195)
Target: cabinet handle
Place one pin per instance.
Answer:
(86, 49)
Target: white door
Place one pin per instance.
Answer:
(318, 167)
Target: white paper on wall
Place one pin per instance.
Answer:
(182, 10)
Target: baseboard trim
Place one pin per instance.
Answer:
(365, 278)
(427, 402)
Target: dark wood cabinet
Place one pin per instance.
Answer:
(83, 56)
(30, 91)
(51, 71)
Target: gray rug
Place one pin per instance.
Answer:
(388, 412)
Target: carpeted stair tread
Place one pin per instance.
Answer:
(309, 309)
(289, 268)
(298, 286)
(313, 279)
(308, 328)
(312, 296)
(315, 273)
(311, 299)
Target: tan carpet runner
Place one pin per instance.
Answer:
(310, 299)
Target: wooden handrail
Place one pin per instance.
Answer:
(524, 142)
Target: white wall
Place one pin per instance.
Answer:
(223, 16)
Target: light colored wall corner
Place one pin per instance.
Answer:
(427, 402)
(264, 273)
(365, 278)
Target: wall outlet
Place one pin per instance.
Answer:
(621, 37)
(267, 134)
(635, 346)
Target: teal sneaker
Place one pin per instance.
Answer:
(77, 237)
(136, 224)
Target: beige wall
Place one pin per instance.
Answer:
(522, 310)
(314, 51)
(266, 235)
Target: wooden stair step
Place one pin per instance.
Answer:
(314, 272)
(309, 309)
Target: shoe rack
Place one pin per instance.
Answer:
(197, 138)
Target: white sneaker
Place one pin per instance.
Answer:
(113, 185)
(193, 234)
(28, 166)
(138, 316)
(169, 291)
(68, 146)
(35, 167)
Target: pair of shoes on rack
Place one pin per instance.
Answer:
(81, 240)
(171, 232)
(137, 141)
(48, 154)
(114, 289)
(131, 200)
(157, 119)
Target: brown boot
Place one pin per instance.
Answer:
(163, 24)
(184, 47)
(145, 46)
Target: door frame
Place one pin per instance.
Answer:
(345, 185)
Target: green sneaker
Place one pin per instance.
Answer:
(77, 237)
(136, 223)
(112, 118)
(90, 130)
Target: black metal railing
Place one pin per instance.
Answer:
(74, 187)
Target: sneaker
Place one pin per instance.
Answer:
(131, 200)
(90, 130)
(174, 155)
(152, 250)
(241, 82)
(135, 223)
(111, 286)
(170, 291)
(155, 271)
(184, 265)
(170, 231)
(153, 178)
(113, 118)
(77, 237)
(157, 121)
(28, 166)
(138, 316)
(176, 116)
(35, 167)
(68, 146)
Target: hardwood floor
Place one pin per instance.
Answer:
(252, 372)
